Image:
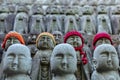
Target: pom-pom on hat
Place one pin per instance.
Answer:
(45, 34)
(13, 34)
(99, 36)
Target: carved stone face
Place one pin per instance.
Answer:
(10, 41)
(106, 58)
(45, 42)
(75, 41)
(17, 60)
(63, 59)
(102, 41)
(58, 37)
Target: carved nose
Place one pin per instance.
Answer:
(64, 61)
(109, 59)
(15, 61)
(11, 42)
(57, 37)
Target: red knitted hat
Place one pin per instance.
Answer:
(99, 36)
(13, 34)
(74, 33)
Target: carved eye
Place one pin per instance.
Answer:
(21, 56)
(59, 56)
(113, 54)
(11, 56)
(104, 54)
(69, 56)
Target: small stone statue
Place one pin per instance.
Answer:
(93, 2)
(83, 63)
(45, 43)
(18, 1)
(88, 23)
(10, 18)
(70, 19)
(12, 38)
(36, 24)
(63, 62)
(101, 38)
(106, 63)
(103, 19)
(115, 19)
(117, 2)
(53, 19)
(17, 63)
(21, 19)
(4, 11)
(58, 37)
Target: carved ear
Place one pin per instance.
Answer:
(94, 62)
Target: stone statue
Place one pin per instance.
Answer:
(103, 19)
(21, 19)
(62, 17)
(83, 63)
(4, 11)
(58, 37)
(36, 24)
(12, 38)
(117, 2)
(45, 43)
(63, 62)
(31, 40)
(70, 19)
(93, 2)
(83, 2)
(115, 19)
(10, 18)
(106, 63)
(53, 19)
(88, 23)
(17, 63)
(18, 1)
(102, 38)
(102, 2)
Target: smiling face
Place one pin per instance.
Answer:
(17, 59)
(75, 41)
(63, 59)
(106, 58)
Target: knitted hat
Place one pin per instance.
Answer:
(76, 33)
(45, 34)
(13, 34)
(99, 36)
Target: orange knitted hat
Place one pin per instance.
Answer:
(13, 34)
(45, 34)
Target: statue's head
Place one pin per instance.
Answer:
(87, 9)
(58, 37)
(74, 38)
(63, 59)
(101, 38)
(102, 9)
(45, 40)
(17, 60)
(12, 38)
(105, 58)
